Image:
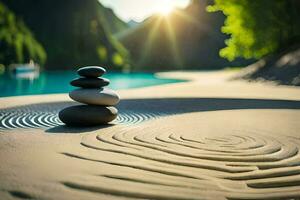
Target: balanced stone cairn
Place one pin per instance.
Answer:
(99, 100)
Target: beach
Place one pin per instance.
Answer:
(207, 138)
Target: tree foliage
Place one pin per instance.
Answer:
(17, 43)
(258, 27)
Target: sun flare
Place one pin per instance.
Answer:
(165, 8)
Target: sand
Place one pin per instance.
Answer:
(208, 138)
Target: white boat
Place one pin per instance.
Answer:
(29, 70)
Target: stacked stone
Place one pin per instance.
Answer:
(98, 101)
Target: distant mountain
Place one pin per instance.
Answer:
(189, 38)
(73, 32)
(113, 23)
(132, 23)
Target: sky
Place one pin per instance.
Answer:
(138, 10)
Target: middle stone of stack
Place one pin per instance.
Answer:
(92, 91)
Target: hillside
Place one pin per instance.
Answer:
(113, 23)
(283, 68)
(73, 32)
(187, 39)
(22, 49)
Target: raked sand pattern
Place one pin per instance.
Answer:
(46, 116)
(177, 165)
(191, 148)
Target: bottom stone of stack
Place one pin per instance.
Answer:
(87, 115)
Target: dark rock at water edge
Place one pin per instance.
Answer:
(91, 71)
(90, 82)
(87, 115)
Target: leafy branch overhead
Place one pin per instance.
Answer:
(258, 27)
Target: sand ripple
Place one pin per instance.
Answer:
(46, 116)
(241, 166)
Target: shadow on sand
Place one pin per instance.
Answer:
(44, 115)
(186, 105)
(75, 130)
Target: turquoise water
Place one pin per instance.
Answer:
(58, 82)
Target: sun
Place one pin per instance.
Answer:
(165, 10)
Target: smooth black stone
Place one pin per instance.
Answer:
(91, 71)
(90, 82)
(87, 115)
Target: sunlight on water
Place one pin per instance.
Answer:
(58, 82)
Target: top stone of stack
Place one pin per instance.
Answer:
(91, 71)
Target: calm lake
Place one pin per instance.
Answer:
(58, 82)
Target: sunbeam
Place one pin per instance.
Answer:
(188, 18)
(173, 43)
(149, 41)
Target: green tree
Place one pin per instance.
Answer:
(258, 27)
(73, 32)
(17, 44)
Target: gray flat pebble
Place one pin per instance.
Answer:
(103, 96)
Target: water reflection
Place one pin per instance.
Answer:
(22, 83)
(27, 75)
